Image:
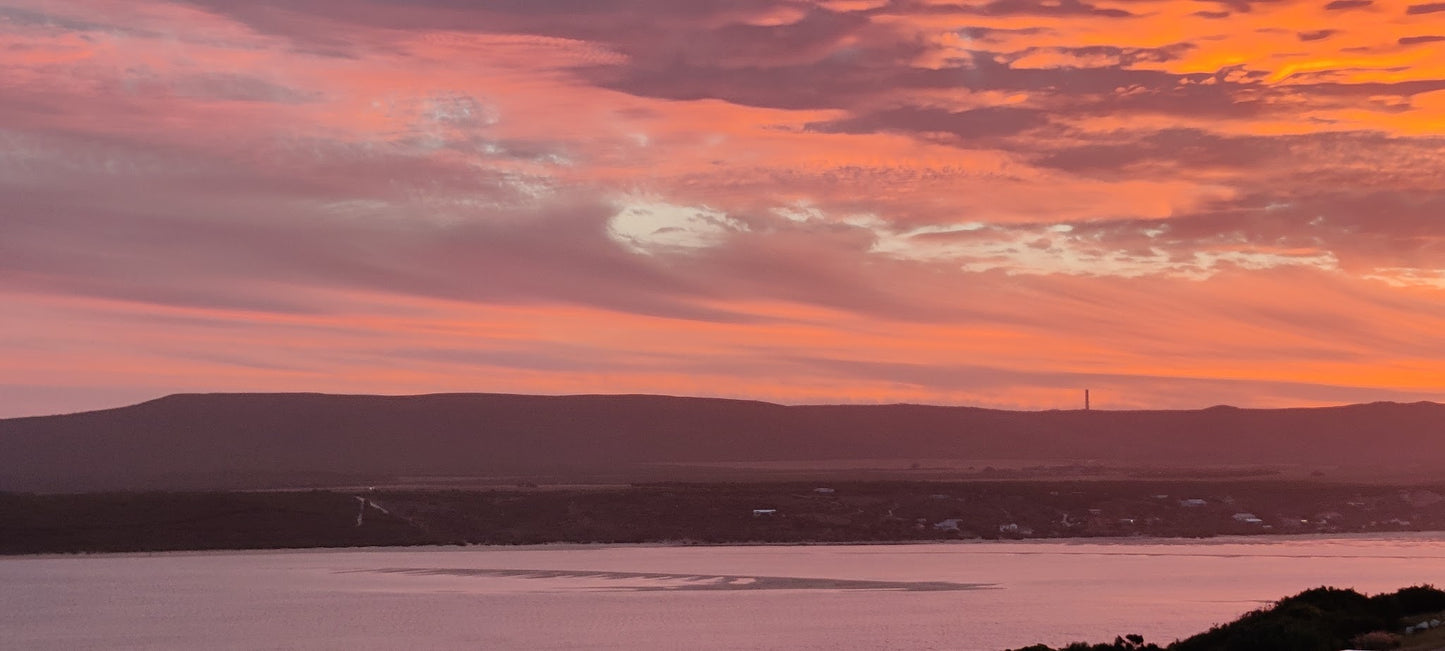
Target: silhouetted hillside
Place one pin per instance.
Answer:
(227, 440)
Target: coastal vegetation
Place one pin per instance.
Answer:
(1319, 619)
(707, 513)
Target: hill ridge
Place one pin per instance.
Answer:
(301, 435)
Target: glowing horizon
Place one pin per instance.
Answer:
(1172, 203)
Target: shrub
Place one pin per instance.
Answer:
(1376, 641)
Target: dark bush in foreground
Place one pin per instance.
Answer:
(1319, 619)
(1125, 643)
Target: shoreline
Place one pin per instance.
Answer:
(707, 515)
(1102, 541)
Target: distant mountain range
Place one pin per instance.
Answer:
(259, 440)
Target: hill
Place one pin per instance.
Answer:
(253, 440)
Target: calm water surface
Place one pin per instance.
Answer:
(937, 596)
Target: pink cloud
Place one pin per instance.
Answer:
(990, 203)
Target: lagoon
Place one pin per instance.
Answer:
(966, 595)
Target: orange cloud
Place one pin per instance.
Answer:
(1173, 203)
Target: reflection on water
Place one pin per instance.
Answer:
(939, 596)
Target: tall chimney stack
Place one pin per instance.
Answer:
(1086, 399)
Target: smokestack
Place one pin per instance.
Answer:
(1086, 399)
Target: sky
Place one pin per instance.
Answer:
(1001, 203)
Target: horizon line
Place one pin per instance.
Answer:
(183, 394)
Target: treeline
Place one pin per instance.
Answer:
(1319, 619)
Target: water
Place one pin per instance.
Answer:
(935, 596)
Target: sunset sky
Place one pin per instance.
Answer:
(1173, 203)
